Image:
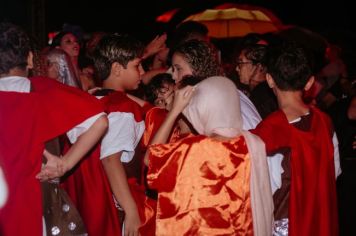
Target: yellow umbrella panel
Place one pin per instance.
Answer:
(234, 22)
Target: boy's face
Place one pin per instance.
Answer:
(132, 74)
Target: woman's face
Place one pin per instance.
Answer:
(181, 67)
(70, 45)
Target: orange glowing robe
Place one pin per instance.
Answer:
(203, 185)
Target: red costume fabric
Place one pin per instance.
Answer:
(312, 203)
(203, 185)
(89, 187)
(27, 121)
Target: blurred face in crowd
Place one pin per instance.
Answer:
(69, 43)
(245, 69)
(165, 96)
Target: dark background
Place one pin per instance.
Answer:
(138, 17)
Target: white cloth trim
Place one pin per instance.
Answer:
(249, 113)
(123, 136)
(3, 189)
(250, 119)
(15, 84)
(336, 156)
(260, 189)
(78, 130)
(275, 171)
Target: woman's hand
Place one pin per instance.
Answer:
(182, 98)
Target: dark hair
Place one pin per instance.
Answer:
(156, 83)
(58, 38)
(255, 53)
(289, 66)
(15, 47)
(187, 30)
(202, 58)
(115, 48)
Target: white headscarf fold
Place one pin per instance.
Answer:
(65, 68)
(215, 109)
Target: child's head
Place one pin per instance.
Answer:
(160, 90)
(119, 56)
(15, 48)
(289, 66)
(197, 58)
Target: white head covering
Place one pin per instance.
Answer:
(65, 69)
(215, 109)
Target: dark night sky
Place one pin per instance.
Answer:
(137, 17)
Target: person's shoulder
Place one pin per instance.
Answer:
(275, 118)
(40, 83)
(120, 102)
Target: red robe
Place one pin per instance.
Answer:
(27, 121)
(312, 203)
(203, 185)
(89, 187)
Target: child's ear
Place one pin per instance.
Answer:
(309, 83)
(30, 60)
(270, 81)
(116, 68)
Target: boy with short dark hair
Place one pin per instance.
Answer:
(306, 202)
(117, 62)
(34, 111)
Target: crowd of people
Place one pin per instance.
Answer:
(113, 137)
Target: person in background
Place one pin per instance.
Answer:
(26, 129)
(216, 182)
(306, 203)
(68, 42)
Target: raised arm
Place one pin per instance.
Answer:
(181, 100)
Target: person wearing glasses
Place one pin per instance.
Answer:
(252, 73)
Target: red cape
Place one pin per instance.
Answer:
(88, 185)
(27, 121)
(312, 203)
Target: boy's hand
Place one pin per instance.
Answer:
(55, 167)
(132, 223)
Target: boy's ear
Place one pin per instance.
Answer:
(310, 83)
(270, 81)
(30, 60)
(116, 68)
